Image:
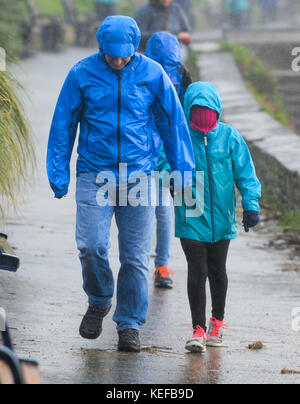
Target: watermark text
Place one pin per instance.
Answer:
(296, 61)
(139, 189)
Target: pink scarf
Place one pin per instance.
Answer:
(203, 119)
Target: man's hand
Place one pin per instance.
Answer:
(61, 197)
(185, 37)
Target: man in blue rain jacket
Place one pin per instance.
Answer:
(112, 94)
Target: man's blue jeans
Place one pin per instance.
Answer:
(165, 225)
(135, 225)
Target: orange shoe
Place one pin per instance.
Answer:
(162, 278)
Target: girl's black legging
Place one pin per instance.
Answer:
(206, 260)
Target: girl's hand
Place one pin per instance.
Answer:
(251, 219)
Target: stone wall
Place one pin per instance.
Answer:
(279, 57)
(275, 149)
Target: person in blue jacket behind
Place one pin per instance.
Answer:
(205, 232)
(112, 95)
(165, 49)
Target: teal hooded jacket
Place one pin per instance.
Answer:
(225, 160)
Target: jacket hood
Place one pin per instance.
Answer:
(119, 36)
(202, 94)
(165, 49)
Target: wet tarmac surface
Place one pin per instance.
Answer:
(45, 302)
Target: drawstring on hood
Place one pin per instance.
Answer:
(119, 36)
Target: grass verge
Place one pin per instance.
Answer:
(288, 220)
(260, 82)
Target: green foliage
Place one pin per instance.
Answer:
(274, 105)
(55, 6)
(260, 81)
(291, 220)
(85, 5)
(126, 7)
(50, 6)
(252, 69)
(17, 156)
(13, 14)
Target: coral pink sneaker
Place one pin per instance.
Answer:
(215, 332)
(198, 343)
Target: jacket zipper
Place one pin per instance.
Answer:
(119, 117)
(210, 190)
(167, 115)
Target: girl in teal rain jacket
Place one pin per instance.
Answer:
(223, 156)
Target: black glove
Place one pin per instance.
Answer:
(251, 219)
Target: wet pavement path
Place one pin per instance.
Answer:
(45, 303)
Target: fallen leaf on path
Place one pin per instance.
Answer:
(256, 346)
(155, 349)
(290, 372)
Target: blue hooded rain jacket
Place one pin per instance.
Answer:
(114, 110)
(165, 49)
(224, 157)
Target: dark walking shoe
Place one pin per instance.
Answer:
(91, 326)
(162, 278)
(129, 340)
